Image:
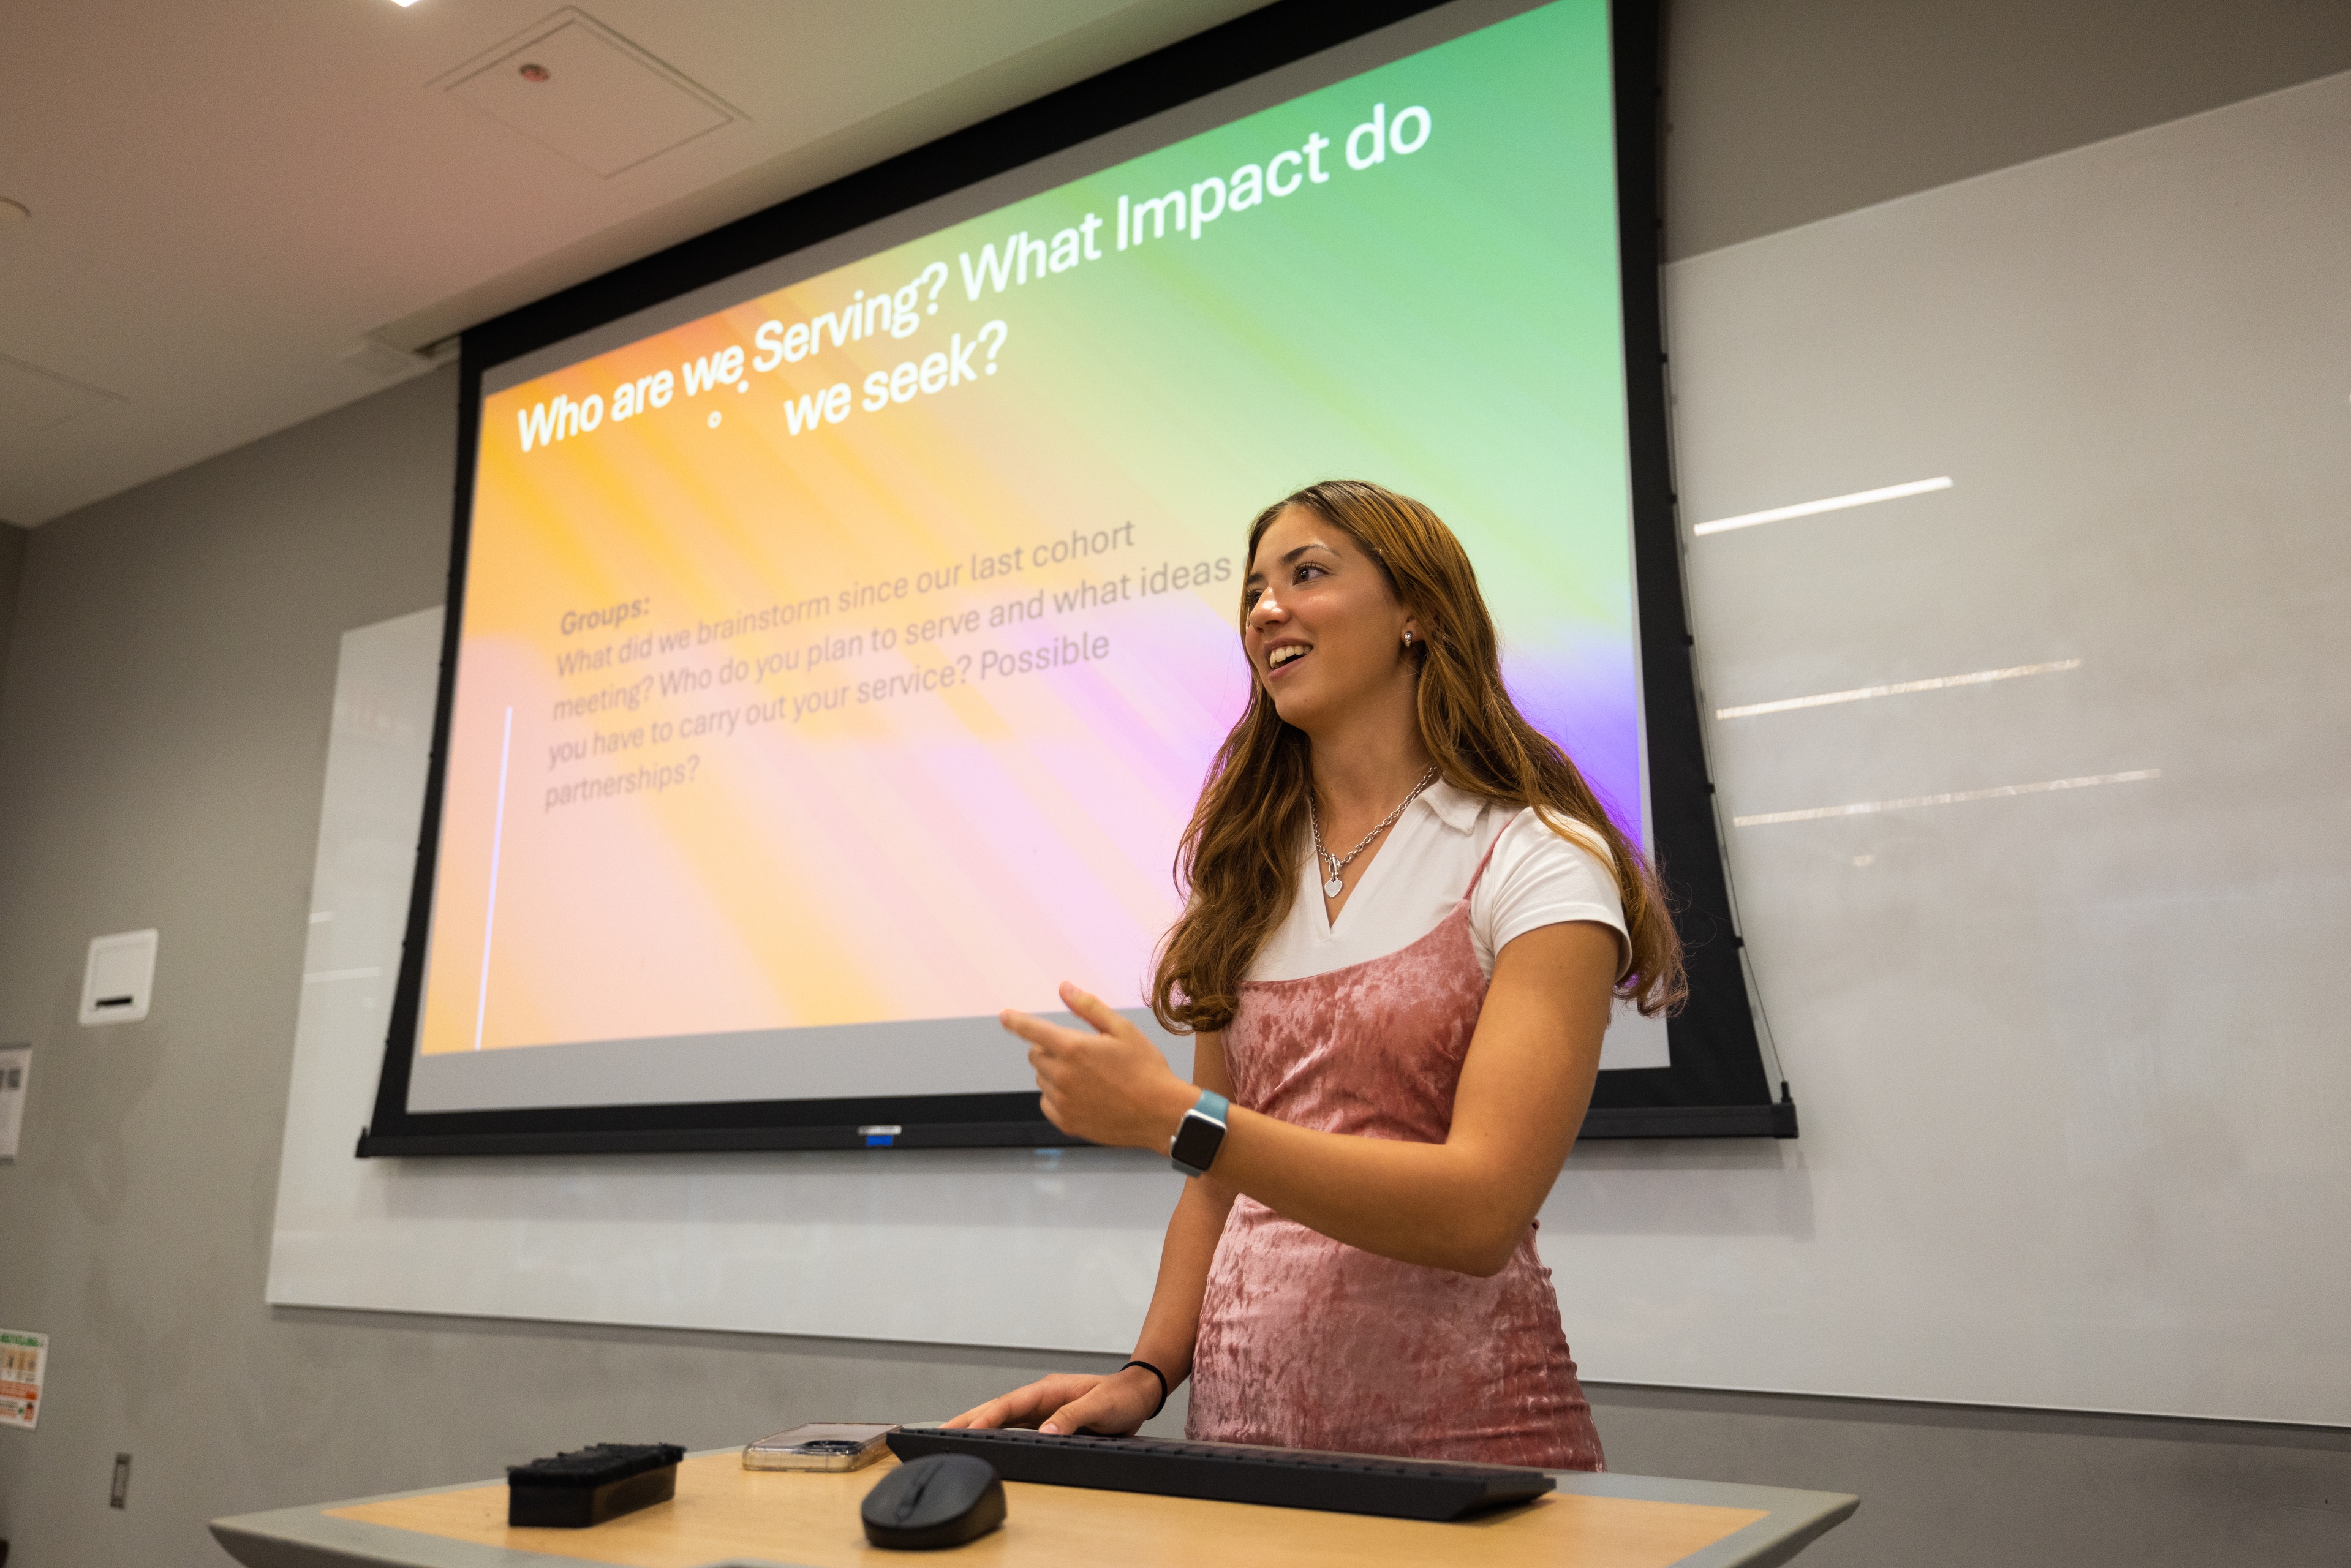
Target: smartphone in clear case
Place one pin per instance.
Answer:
(819, 1446)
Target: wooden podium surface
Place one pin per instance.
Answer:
(724, 1516)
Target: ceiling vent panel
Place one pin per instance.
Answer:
(574, 86)
(33, 400)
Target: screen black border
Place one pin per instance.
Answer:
(1715, 1086)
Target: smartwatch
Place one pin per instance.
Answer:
(1200, 1134)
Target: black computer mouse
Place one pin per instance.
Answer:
(943, 1500)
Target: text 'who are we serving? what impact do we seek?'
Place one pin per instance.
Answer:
(1185, 211)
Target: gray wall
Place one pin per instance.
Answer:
(12, 541)
(163, 730)
(1959, 1486)
(1784, 111)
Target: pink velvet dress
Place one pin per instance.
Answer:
(1306, 1342)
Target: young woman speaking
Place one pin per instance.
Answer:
(1407, 918)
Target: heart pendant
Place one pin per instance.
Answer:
(1333, 888)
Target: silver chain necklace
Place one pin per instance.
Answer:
(1334, 887)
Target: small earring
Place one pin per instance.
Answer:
(1407, 639)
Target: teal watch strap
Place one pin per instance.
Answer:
(1200, 1133)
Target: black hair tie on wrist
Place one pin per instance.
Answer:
(1162, 1384)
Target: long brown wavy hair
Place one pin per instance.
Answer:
(1238, 862)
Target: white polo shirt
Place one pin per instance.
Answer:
(1537, 877)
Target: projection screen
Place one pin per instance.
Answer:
(839, 638)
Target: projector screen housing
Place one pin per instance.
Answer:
(732, 1083)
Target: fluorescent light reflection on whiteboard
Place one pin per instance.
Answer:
(1899, 688)
(1865, 807)
(1833, 504)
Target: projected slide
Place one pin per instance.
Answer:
(840, 667)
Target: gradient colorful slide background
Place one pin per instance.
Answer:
(810, 797)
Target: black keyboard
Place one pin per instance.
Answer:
(1233, 1472)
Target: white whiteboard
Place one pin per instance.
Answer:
(2072, 1075)
(2074, 1066)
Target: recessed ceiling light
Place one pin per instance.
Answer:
(14, 212)
(404, 5)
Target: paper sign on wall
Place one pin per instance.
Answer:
(20, 1358)
(16, 1066)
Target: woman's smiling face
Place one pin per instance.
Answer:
(1323, 630)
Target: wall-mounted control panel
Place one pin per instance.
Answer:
(120, 978)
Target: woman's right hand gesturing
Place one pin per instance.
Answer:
(1065, 1401)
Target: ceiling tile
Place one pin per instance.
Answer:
(577, 86)
(33, 400)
